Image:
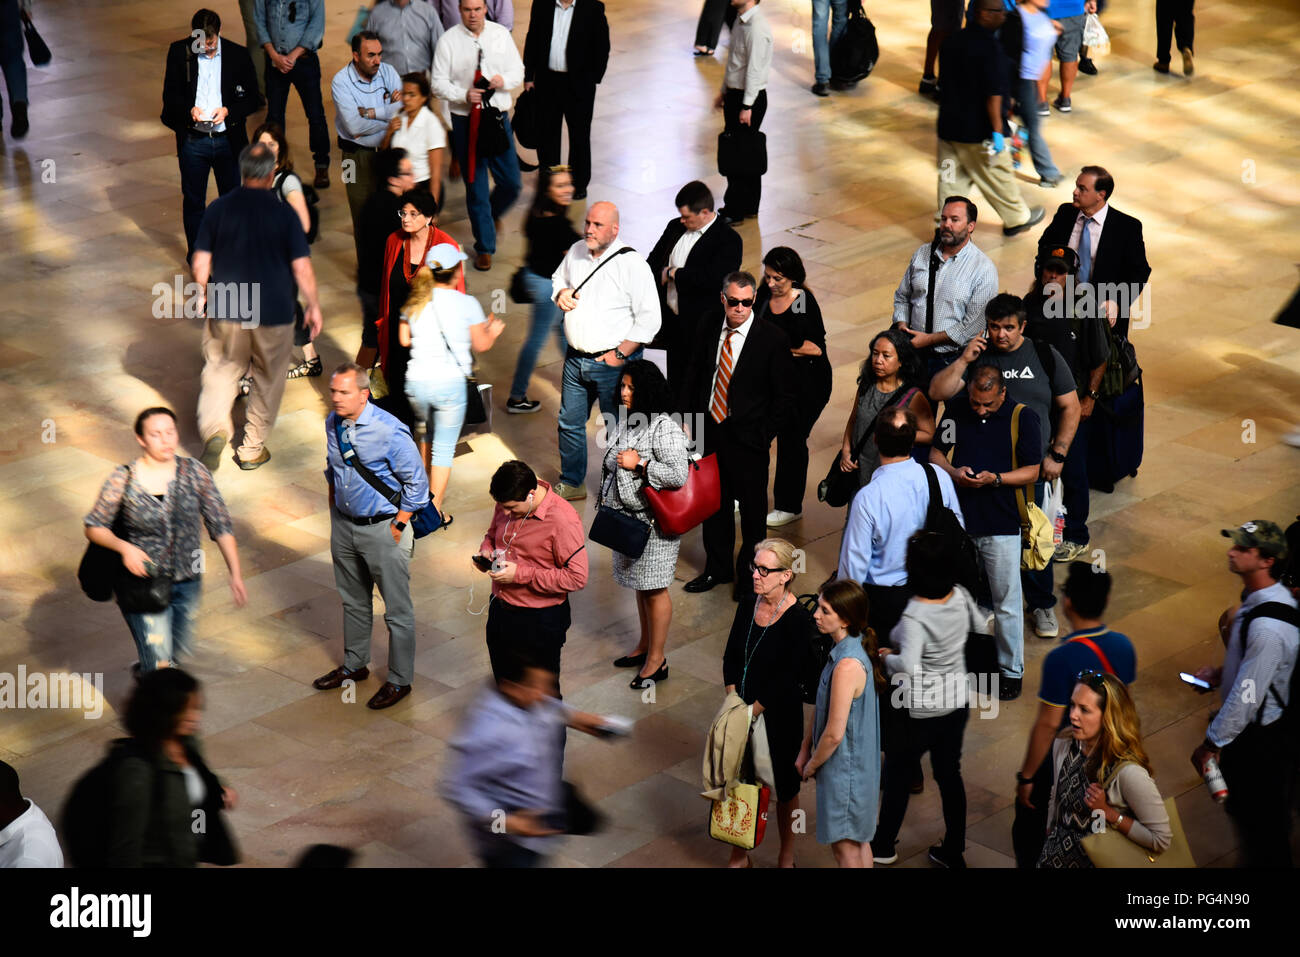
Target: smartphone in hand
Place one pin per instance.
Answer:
(1194, 681)
(482, 563)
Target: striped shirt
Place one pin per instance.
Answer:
(963, 286)
(1257, 671)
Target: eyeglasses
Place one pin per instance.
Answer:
(764, 571)
(1093, 680)
(733, 303)
(403, 214)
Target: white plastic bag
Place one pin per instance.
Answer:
(1054, 509)
(1095, 37)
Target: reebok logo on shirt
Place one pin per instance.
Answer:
(1025, 373)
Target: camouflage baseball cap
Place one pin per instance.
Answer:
(1258, 533)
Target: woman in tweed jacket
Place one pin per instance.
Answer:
(648, 446)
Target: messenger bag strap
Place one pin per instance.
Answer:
(1020, 489)
(599, 265)
(352, 460)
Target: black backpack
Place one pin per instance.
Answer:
(855, 53)
(1290, 720)
(86, 825)
(968, 570)
(313, 203)
(814, 656)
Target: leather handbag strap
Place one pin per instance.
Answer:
(1096, 650)
(862, 442)
(601, 264)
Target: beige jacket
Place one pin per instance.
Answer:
(1131, 792)
(724, 751)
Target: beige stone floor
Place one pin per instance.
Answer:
(90, 214)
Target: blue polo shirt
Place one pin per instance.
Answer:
(1063, 663)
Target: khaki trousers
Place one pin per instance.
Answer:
(963, 165)
(229, 349)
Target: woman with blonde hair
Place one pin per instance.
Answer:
(765, 653)
(1099, 764)
(440, 325)
(845, 757)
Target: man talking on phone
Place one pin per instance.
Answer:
(535, 552)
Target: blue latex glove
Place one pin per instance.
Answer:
(999, 144)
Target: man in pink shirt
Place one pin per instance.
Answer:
(535, 553)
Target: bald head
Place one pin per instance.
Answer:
(601, 227)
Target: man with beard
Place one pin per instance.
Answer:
(940, 302)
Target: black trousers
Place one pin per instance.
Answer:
(562, 97)
(742, 474)
(537, 633)
(942, 737)
(1174, 18)
(305, 78)
(743, 192)
(1259, 769)
(1029, 830)
(791, 481)
(712, 16)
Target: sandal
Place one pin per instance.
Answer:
(306, 368)
(446, 521)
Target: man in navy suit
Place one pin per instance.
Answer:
(741, 377)
(1114, 260)
(565, 55)
(695, 253)
(209, 90)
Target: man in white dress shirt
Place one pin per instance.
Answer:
(476, 63)
(27, 837)
(743, 101)
(606, 322)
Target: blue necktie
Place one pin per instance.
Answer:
(1085, 251)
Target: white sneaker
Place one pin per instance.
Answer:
(776, 518)
(1045, 623)
(1292, 438)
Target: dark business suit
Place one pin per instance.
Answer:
(760, 398)
(1121, 255)
(198, 153)
(716, 254)
(568, 96)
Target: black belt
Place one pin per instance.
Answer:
(592, 355)
(372, 520)
(207, 134)
(347, 146)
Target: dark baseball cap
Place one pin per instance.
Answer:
(1062, 257)
(1258, 533)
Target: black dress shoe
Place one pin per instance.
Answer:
(630, 661)
(388, 695)
(704, 583)
(729, 217)
(336, 678)
(640, 681)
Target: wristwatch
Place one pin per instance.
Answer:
(400, 526)
(997, 479)
(618, 355)
(1021, 779)
(1094, 395)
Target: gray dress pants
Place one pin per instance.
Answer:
(366, 556)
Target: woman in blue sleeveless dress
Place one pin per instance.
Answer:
(843, 748)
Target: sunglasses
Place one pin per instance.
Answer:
(1093, 680)
(764, 571)
(733, 303)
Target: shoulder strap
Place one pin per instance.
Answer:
(451, 355)
(1270, 609)
(1020, 489)
(936, 496)
(871, 427)
(929, 286)
(601, 264)
(1096, 650)
(1046, 359)
(352, 460)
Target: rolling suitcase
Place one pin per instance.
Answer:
(1115, 444)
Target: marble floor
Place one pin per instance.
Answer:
(90, 220)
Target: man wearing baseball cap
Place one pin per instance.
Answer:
(1250, 737)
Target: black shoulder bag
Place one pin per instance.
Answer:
(152, 593)
(838, 487)
(616, 529)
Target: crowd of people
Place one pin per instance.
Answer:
(973, 407)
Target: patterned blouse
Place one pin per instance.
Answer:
(152, 525)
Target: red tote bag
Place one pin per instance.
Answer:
(678, 510)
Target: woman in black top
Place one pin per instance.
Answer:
(763, 663)
(550, 234)
(785, 301)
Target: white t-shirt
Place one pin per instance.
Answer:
(449, 314)
(29, 841)
(424, 133)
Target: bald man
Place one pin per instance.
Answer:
(611, 309)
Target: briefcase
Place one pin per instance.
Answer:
(742, 152)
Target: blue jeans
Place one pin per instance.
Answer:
(1027, 107)
(199, 156)
(166, 636)
(439, 408)
(584, 381)
(1001, 557)
(838, 13)
(546, 316)
(484, 208)
(1038, 586)
(305, 78)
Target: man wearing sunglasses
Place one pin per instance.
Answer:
(741, 377)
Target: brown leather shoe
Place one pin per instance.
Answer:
(336, 678)
(388, 695)
(322, 180)
(483, 262)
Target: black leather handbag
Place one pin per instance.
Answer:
(742, 152)
(519, 287)
(617, 530)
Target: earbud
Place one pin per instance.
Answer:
(530, 498)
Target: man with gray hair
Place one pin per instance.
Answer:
(371, 539)
(252, 259)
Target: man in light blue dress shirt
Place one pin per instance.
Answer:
(291, 31)
(371, 540)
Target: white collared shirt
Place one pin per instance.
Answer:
(738, 341)
(207, 95)
(30, 841)
(619, 304)
(681, 252)
(558, 62)
(1094, 231)
(457, 57)
(749, 57)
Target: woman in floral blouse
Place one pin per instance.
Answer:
(148, 512)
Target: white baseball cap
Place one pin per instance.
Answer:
(444, 256)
